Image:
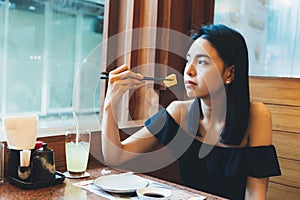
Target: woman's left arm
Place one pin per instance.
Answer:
(260, 134)
(256, 188)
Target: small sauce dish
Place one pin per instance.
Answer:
(154, 193)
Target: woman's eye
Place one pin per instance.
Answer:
(202, 62)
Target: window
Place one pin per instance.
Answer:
(47, 49)
(271, 29)
(44, 44)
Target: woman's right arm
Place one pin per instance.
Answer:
(114, 151)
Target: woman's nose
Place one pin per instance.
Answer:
(190, 70)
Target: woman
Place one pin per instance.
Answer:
(231, 154)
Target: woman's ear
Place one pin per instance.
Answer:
(228, 75)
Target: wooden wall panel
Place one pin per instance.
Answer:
(57, 144)
(279, 191)
(290, 170)
(287, 144)
(282, 96)
(281, 91)
(285, 118)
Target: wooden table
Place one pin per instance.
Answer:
(68, 191)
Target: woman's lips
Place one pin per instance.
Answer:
(190, 83)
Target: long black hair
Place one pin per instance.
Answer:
(232, 49)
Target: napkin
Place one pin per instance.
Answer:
(25, 158)
(21, 131)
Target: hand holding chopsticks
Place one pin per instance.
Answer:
(169, 81)
(105, 75)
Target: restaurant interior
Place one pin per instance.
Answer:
(52, 53)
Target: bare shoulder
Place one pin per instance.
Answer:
(260, 113)
(260, 125)
(179, 109)
(259, 108)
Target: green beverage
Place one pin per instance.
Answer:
(77, 155)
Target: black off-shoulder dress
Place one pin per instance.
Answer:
(219, 170)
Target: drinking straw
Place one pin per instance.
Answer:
(76, 127)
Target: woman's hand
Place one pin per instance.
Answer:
(120, 80)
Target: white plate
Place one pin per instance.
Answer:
(121, 183)
(154, 193)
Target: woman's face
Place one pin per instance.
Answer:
(204, 70)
